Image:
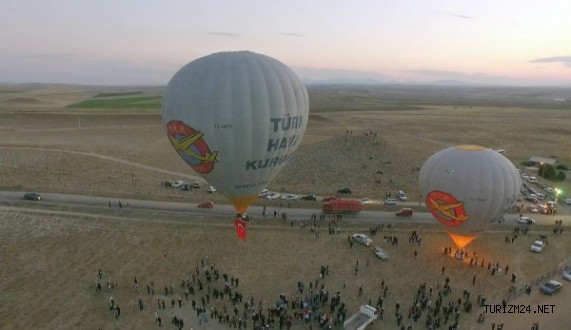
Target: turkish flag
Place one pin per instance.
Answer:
(240, 228)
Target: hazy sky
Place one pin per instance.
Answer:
(146, 41)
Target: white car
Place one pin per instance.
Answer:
(390, 201)
(567, 201)
(525, 175)
(273, 195)
(177, 184)
(264, 193)
(549, 190)
(211, 189)
(290, 197)
(365, 200)
(537, 246)
(532, 209)
(567, 274)
(380, 253)
(532, 179)
(401, 195)
(526, 220)
(362, 239)
(196, 185)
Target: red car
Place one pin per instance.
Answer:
(405, 212)
(206, 205)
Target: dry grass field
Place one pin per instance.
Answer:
(50, 257)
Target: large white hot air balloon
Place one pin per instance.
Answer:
(235, 118)
(467, 188)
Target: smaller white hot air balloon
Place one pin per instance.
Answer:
(467, 188)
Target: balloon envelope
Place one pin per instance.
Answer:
(467, 188)
(235, 118)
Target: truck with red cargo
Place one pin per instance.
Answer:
(342, 206)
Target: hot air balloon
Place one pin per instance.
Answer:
(235, 118)
(467, 188)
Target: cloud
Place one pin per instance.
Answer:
(291, 34)
(565, 60)
(224, 34)
(455, 15)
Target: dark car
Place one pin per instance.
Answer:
(551, 287)
(32, 196)
(309, 198)
(345, 190)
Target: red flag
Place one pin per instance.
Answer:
(240, 228)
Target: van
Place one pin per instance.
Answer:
(404, 212)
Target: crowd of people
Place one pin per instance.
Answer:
(209, 295)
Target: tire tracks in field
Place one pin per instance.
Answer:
(107, 158)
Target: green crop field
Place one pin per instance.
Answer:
(113, 94)
(139, 102)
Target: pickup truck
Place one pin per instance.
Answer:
(366, 315)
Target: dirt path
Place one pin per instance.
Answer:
(109, 158)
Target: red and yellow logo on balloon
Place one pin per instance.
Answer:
(191, 147)
(446, 208)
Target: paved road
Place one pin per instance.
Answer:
(226, 210)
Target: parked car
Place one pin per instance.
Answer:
(390, 201)
(310, 197)
(32, 196)
(177, 184)
(290, 197)
(567, 274)
(543, 209)
(196, 185)
(211, 189)
(549, 190)
(362, 239)
(273, 195)
(365, 200)
(526, 220)
(532, 179)
(186, 187)
(551, 287)
(537, 246)
(530, 198)
(380, 253)
(345, 190)
(532, 209)
(404, 212)
(567, 201)
(264, 193)
(206, 205)
(401, 195)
